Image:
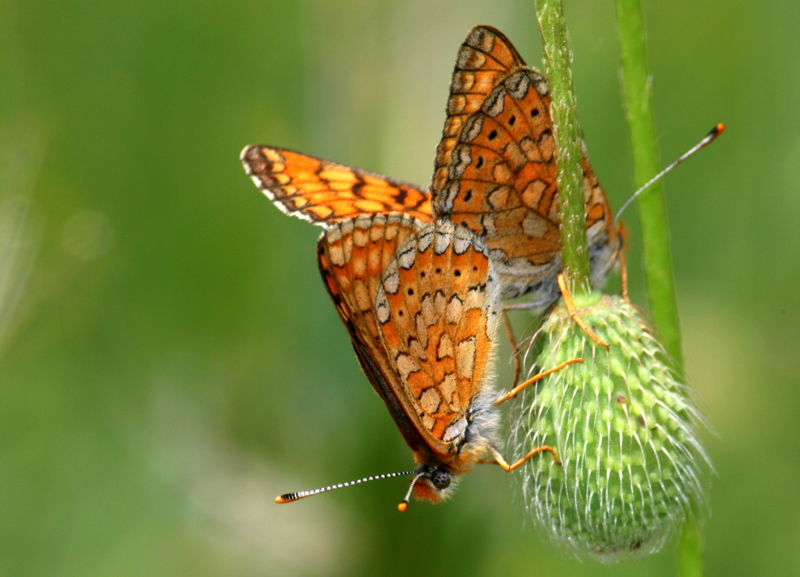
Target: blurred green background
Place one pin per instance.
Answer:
(170, 360)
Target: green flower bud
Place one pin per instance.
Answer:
(625, 429)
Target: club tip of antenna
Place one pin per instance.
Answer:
(402, 506)
(718, 129)
(281, 499)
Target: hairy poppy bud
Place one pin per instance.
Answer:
(625, 429)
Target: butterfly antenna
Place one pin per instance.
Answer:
(291, 497)
(403, 505)
(707, 139)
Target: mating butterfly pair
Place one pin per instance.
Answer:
(417, 276)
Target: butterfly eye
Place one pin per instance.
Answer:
(440, 480)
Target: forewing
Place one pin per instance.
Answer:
(495, 169)
(437, 313)
(325, 192)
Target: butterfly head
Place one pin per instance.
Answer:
(432, 483)
(436, 476)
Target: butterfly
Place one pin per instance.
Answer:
(421, 304)
(494, 173)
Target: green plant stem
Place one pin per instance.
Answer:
(653, 217)
(568, 149)
(690, 551)
(652, 208)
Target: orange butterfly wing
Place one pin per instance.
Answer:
(495, 170)
(437, 310)
(323, 192)
(421, 303)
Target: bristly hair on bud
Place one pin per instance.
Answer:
(625, 427)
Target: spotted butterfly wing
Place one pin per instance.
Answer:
(437, 311)
(324, 192)
(426, 340)
(495, 170)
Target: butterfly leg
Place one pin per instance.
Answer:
(623, 276)
(515, 391)
(499, 460)
(573, 312)
(620, 256)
